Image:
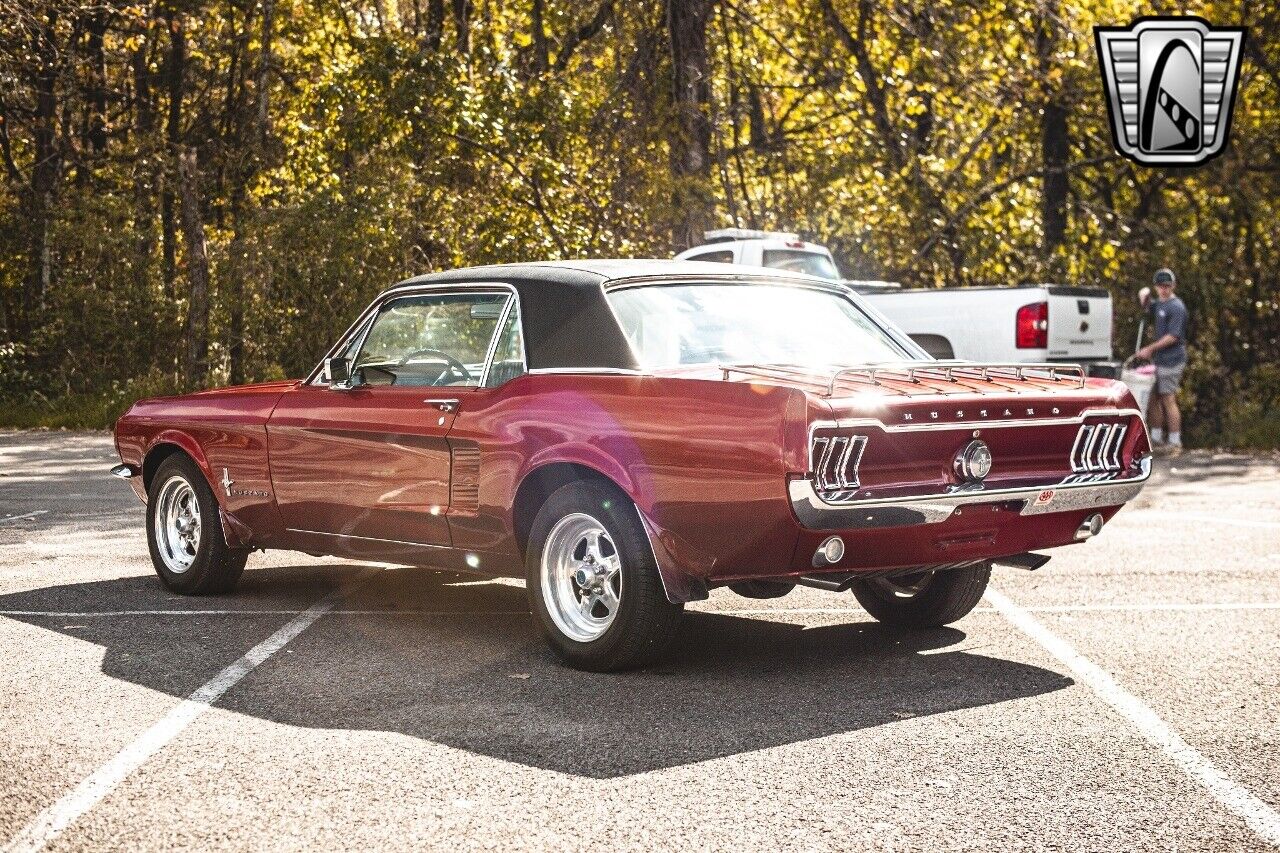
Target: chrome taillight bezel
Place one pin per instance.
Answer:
(834, 460)
(1099, 448)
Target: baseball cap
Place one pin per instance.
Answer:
(1164, 275)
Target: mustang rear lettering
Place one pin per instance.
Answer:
(628, 435)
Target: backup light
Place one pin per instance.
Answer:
(830, 552)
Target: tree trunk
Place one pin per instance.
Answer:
(45, 173)
(145, 172)
(1054, 152)
(232, 286)
(168, 238)
(462, 20)
(235, 303)
(96, 28)
(435, 24)
(263, 81)
(541, 53)
(196, 363)
(691, 100)
(174, 72)
(1054, 147)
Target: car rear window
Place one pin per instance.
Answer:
(671, 325)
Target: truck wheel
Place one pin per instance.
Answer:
(592, 583)
(184, 532)
(924, 599)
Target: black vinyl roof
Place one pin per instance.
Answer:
(567, 321)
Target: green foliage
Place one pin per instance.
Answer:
(354, 143)
(97, 409)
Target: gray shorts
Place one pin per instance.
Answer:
(1169, 378)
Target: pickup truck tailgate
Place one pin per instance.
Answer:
(1079, 323)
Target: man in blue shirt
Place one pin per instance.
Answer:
(1168, 352)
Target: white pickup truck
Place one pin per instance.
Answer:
(1026, 323)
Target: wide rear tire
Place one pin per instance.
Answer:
(593, 585)
(184, 532)
(924, 600)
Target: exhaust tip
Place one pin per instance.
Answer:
(1089, 528)
(830, 552)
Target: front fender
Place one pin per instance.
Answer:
(235, 532)
(188, 445)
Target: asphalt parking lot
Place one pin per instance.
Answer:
(1126, 696)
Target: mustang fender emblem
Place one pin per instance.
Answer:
(227, 483)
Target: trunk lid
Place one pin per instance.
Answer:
(903, 426)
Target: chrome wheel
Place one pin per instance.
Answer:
(581, 577)
(904, 586)
(177, 525)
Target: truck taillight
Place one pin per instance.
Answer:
(1033, 326)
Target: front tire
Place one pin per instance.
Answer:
(924, 599)
(593, 585)
(184, 532)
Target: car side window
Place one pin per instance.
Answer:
(431, 339)
(508, 357)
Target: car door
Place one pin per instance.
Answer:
(363, 467)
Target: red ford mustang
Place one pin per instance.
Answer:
(629, 434)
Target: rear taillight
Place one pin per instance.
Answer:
(1033, 326)
(1098, 448)
(834, 460)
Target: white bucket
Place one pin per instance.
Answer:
(1141, 380)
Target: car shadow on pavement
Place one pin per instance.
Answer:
(459, 663)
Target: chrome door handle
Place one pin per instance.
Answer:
(443, 405)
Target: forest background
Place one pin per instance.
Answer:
(198, 192)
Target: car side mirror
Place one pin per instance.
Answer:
(339, 372)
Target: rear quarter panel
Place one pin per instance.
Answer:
(704, 461)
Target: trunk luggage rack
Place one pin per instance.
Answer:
(884, 374)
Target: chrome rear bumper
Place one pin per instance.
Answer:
(1071, 494)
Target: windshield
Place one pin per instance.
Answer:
(813, 263)
(671, 325)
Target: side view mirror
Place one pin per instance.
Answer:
(338, 370)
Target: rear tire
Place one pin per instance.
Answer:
(593, 585)
(924, 599)
(184, 532)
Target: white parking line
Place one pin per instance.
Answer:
(1259, 816)
(1155, 606)
(24, 515)
(55, 819)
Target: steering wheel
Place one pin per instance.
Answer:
(457, 368)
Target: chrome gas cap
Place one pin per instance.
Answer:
(973, 462)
